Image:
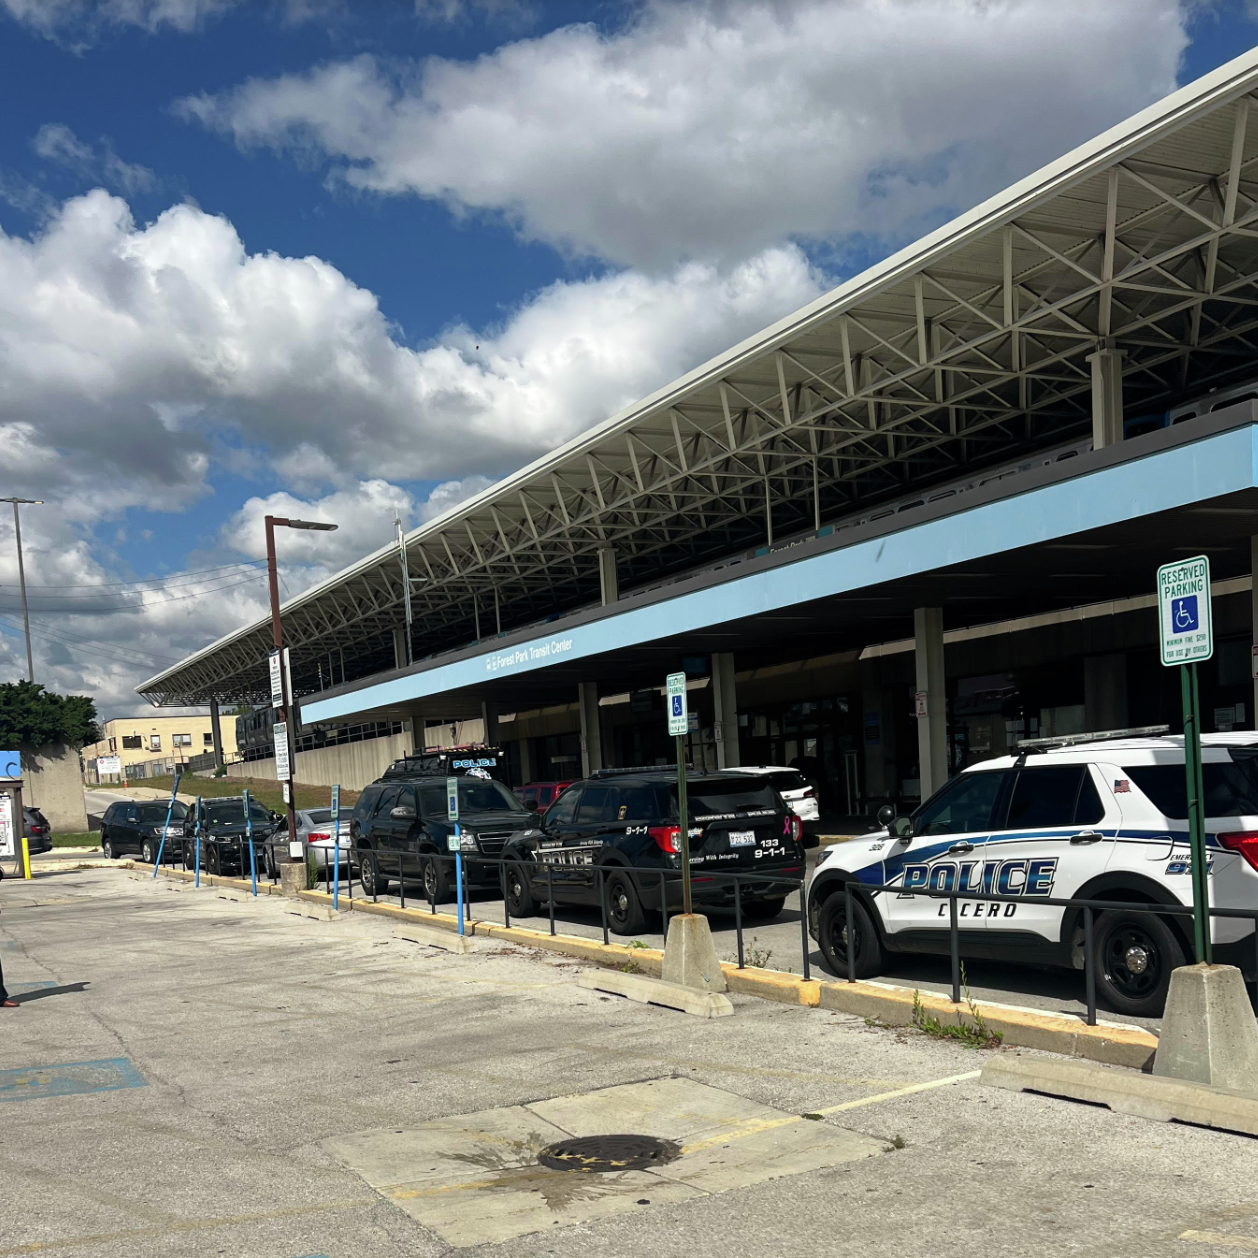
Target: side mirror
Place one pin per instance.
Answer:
(902, 827)
(276, 817)
(402, 813)
(886, 815)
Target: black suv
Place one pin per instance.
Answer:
(626, 821)
(223, 832)
(402, 817)
(137, 826)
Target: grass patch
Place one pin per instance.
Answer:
(267, 791)
(975, 1035)
(76, 840)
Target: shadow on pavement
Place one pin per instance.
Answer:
(23, 998)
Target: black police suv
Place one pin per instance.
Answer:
(626, 822)
(224, 835)
(137, 826)
(401, 828)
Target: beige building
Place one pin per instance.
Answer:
(160, 743)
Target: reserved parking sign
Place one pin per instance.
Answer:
(1184, 624)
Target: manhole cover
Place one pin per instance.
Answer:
(608, 1153)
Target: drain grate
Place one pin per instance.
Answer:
(609, 1153)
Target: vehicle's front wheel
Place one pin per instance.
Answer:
(520, 902)
(107, 847)
(148, 853)
(1133, 959)
(832, 928)
(763, 910)
(268, 863)
(374, 883)
(624, 908)
(437, 879)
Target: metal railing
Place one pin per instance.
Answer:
(1090, 908)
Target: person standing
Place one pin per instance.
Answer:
(5, 1002)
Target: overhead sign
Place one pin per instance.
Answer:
(678, 722)
(283, 763)
(1184, 624)
(452, 798)
(277, 679)
(10, 764)
(108, 764)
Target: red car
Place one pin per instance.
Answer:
(538, 796)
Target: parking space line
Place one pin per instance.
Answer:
(1220, 1238)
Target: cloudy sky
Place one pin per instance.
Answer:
(357, 261)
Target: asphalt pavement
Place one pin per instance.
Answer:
(197, 1072)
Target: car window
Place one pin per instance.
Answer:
(155, 814)
(318, 816)
(367, 802)
(384, 805)
(964, 805)
(597, 804)
(1231, 788)
(111, 813)
(638, 804)
(1089, 809)
(486, 795)
(432, 800)
(405, 799)
(563, 810)
(529, 799)
(130, 814)
(1044, 797)
(229, 811)
(723, 797)
(789, 780)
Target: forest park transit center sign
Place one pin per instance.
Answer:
(1184, 627)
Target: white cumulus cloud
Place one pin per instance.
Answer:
(714, 130)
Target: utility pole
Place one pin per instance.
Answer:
(21, 576)
(284, 763)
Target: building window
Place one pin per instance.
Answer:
(132, 742)
(113, 744)
(207, 740)
(155, 742)
(181, 740)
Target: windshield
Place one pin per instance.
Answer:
(789, 780)
(227, 812)
(155, 814)
(963, 806)
(476, 795)
(731, 797)
(319, 815)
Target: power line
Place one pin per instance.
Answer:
(137, 606)
(174, 578)
(79, 645)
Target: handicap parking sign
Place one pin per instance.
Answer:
(1184, 611)
(677, 717)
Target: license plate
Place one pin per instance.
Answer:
(742, 838)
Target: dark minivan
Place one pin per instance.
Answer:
(400, 825)
(137, 826)
(626, 822)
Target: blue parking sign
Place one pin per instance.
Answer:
(1184, 614)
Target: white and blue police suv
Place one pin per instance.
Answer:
(1099, 820)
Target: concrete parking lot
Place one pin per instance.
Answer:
(197, 1072)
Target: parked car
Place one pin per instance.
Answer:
(1101, 820)
(627, 823)
(314, 829)
(223, 831)
(538, 796)
(400, 824)
(37, 831)
(794, 787)
(139, 825)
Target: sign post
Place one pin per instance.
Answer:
(336, 844)
(678, 727)
(1186, 633)
(161, 847)
(253, 860)
(455, 843)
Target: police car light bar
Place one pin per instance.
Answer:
(1026, 745)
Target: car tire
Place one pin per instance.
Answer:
(763, 910)
(624, 905)
(374, 882)
(832, 937)
(215, 860)
(1132, 960)
(148, 854)
(268, 863)
(520, 901)
(107, 847)
(437, 880)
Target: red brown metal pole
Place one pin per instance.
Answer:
(277, 637)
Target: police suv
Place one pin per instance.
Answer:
(1087, 819)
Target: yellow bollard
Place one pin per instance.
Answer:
(26, 858)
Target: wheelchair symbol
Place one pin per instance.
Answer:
(1184, 614)
(677, 705)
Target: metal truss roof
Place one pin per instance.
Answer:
(965, 347)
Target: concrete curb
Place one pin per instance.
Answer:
(655, 991)
(1126, 1092)
(1113, 1043)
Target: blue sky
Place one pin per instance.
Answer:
(370, 257)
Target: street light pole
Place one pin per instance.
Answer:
(21, 576)
(277, 638)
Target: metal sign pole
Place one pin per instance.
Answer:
(336, 846)
(196, 882)
(684, 812)
(253, 863)
(161, 847)
(456, 842)
(1185, 625)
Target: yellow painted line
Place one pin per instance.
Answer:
(185, 1225)
(756, 1126)
(1220, 1238)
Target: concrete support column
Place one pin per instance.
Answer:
(609, 582)
(591, 730)
(400, 653)
(932, 720)
(1105, 692)
(1107, 397)
(725, 705)
(489, 722)
(526, 762)
(216, 732)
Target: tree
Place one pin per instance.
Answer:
(32, 717)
